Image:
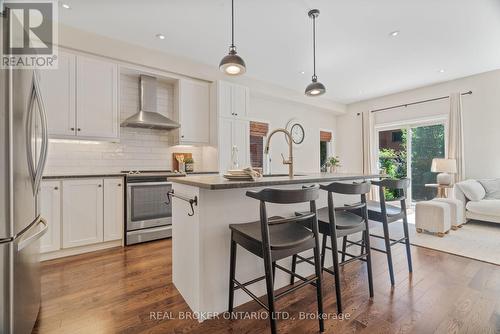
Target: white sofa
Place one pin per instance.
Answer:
(481, 199)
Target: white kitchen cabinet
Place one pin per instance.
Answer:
(81, 98)
(113, 209)
(50, 209)
(194, 111)
(96, 98)
(233, 100)
(234, 133)
(225, 143)
(58, 91)
(82, 205)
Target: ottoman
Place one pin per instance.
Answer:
(456, 211)
(433, 216)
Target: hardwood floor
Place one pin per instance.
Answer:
(116, 291)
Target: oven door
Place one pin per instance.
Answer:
(147, 205)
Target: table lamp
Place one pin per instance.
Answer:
(444, 167)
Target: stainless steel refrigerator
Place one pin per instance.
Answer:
(23, 152)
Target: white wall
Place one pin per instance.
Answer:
(481, 121)
(278, 113)
(138, 149)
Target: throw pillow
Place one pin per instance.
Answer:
(492, 187)
(472, 189)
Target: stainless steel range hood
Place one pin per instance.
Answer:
(148, 117)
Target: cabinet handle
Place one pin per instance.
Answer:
(79, 129)
(100, 185)
(119, 184)
(56, 188)
(182, 136)
(236, 114)
(72, 129)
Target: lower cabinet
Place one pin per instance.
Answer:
(82, 212)
(50, 207)
(83, 217)
(113, 209)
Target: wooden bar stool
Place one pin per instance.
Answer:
(338, 222)
(387, 214)
(276, 238)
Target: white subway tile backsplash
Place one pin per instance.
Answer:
(138, 149)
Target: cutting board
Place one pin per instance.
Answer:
(175, 163)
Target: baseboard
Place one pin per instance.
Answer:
(80, 250)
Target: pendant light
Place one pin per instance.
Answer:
(315, 88)
(232, 64)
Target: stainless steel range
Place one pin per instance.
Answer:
(149, 215)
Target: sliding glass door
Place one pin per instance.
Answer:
(407, 150)
(427, 142)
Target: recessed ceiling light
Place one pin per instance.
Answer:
(394, 33)
(66, 6)
(441, 71)
(160, 36)
(302, 72)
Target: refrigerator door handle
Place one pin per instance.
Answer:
(29, 139)
(25, 242)
(36, 172)
(6, 240)
(45, 136)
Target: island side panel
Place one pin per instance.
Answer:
(219, 209)
(186, 247)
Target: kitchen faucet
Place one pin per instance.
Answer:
(288, 162)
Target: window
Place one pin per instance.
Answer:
(325, 139)
(258, 133)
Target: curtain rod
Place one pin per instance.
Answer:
(418, 102)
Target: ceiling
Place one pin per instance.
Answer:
(356, 57)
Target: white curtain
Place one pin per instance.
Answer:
(370, 166)
(456, 135)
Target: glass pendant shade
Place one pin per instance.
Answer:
(232, 64)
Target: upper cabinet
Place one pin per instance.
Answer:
(81, 98)
(232, 99)
(58, 91)
(97, 98)
(194, 111)
(233, 125)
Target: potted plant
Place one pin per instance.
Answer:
(189, 165)
(333, 163)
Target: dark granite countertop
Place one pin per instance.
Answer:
(215, 182)
(201, 173)
(81, 176)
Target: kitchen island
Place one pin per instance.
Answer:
(201, 236)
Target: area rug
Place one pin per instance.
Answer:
(476, 240)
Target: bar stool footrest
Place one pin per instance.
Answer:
(255, 280)
(296, 287)
(305, 259)
(251, 294)
(296, 275)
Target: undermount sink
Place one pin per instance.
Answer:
(283, 174)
